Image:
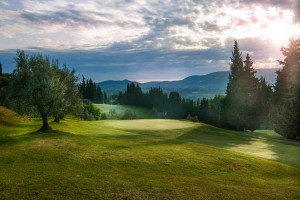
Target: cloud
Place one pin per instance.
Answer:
(89, 24)
(135, 39)
(176, 24)
(293, 5)
(3, 3)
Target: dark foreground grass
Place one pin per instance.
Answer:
(96, 160)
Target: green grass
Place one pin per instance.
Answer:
(268, 134)
(143, 159)
(142, 113)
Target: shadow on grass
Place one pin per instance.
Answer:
(34, 135)
(245, 143)
(213, 136)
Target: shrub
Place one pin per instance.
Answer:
(192, 119)
(90, 112)
(103, 116)
(86, 116)
(112, 114)
(129, 114)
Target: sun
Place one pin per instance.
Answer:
(280, 32)
(270, 24)
(279, 26)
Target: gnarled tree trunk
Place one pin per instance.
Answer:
(45, 122)
(56, 119)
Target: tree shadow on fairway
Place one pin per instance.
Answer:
(213, 136)
(34, 135)
(244, 143)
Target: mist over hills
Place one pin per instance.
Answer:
(193, 87)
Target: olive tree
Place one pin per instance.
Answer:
(41, 86)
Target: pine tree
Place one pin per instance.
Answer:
(82, 88)
(99, 95)
(4, 88)
(250, 115)
(0, 69)
(203, 110)
(240, 111)
(264, 103)
(105, 101)
(233, 91)
(286, 113)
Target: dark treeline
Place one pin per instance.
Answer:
(4, 87)
(89, 90)
(166, 106)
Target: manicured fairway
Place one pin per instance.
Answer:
(143, 159)
(150, 124)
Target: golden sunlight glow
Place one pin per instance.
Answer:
(269, 24)
(278, 25)
(280, 32)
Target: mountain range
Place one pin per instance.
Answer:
(193, 87)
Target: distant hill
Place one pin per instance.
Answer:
(193, 87)
(114, 85)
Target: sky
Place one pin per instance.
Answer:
(147, 40)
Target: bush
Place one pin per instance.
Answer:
(112, 114)
(103, 116)
(90, 112)
(129, 115)
(192, 119)
(160, 115)
(86, 116)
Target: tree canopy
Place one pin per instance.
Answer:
(42, 86)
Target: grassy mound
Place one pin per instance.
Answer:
(107, 160)
(10, 118)
(141, 113)
(150, 124)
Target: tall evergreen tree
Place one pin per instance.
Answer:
(105, 100)
(0, 69)
(82, 88)
(203, 110)
(5, 80)
(233, 91)
(286, 113)
(265, 94)
(99, 95)
(175, 108)
(240, 103)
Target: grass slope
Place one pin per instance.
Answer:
(10, 118)
(140, 159)
(142, 113)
